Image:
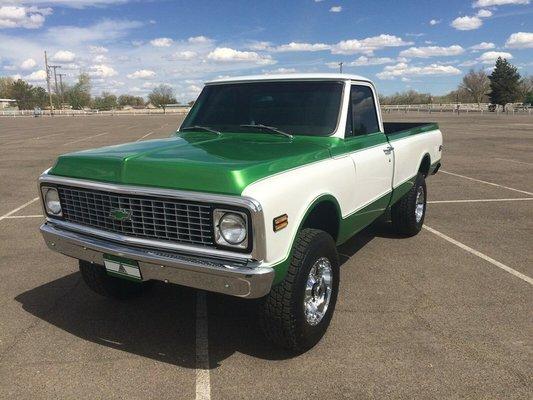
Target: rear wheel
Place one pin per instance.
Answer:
(97, 279)
(297, 312)
(408, 213)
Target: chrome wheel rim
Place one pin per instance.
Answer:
(420, 204)
(318, 291)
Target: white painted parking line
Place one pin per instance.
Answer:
(203, 384)
(25, 216)
(18, 209)
(487, 183)
(481, 255)
(86, 138)
(518, 162)
(478, 200)
(148, 134)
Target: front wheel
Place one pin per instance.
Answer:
(409, 212)
(297, 312)
(97, 279)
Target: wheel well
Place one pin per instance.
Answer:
(324, 216)
(425, 165)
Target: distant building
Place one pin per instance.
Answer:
(5, 103)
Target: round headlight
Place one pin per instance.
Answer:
(51, 199)
(232, 228)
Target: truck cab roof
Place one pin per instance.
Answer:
(289, 77)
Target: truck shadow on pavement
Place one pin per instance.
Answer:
(161, 324)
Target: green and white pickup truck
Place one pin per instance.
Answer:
(266, 176)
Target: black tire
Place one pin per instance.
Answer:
(97, 279)
(403, 214)
(283, 319)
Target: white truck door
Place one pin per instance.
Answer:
(370, 151)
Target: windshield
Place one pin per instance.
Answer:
(298, 108)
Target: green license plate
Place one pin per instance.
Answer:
(122, 267)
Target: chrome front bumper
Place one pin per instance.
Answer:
(236, 278)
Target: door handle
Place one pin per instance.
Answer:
(388, 150)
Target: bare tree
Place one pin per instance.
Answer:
(161, 96)
(477, 84)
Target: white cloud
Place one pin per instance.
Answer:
(99, 58)
(98, 49)
(64, 56)
(368, 45)
(490, 57)
(162, 42)
(23, 17)
(468, 63)
(483, 46)
(520, 40)
(466, 23)
(484, 13)
(37, 76)
(280, 71)
(79, 3)
(184, 55)
(489, 3)
(226, 54)
(142, 74)
(434, 22)
(107, 30)
(364, 60)
(298, 46)
(405, 70)
(259, 46)
(198, 39)
(335, 9)
(102, 71)
(28, 64)
(432, 51)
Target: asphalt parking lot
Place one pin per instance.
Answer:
(446, 314)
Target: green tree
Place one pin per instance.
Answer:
(24, 94)
(129, 100)
(476, 84)
(79, 95)
(504, 83)
(161, 96)
(41, 97)
(6, 85)
(105, 102)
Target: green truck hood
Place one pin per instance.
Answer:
(194, 161)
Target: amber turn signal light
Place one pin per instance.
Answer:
(280, 222)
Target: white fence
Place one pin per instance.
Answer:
(84, 113)
(457, 108)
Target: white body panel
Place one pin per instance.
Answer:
(409, 152)
(354, 180)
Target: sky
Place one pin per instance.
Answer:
(131, 46)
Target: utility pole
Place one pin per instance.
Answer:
(61, 87)
(340, 67)
(48, 83)
(55, 76)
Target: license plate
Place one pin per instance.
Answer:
(122, 267)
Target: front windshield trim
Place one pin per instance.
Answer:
(344, 83)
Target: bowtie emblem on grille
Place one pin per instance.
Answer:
(120, 214)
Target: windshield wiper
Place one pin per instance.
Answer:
(203, 128)
(267, 129)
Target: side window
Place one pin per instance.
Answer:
(363, 118)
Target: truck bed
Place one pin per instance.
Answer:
(408, 128)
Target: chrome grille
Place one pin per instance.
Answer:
(148, 217)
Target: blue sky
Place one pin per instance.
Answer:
(131, 46)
